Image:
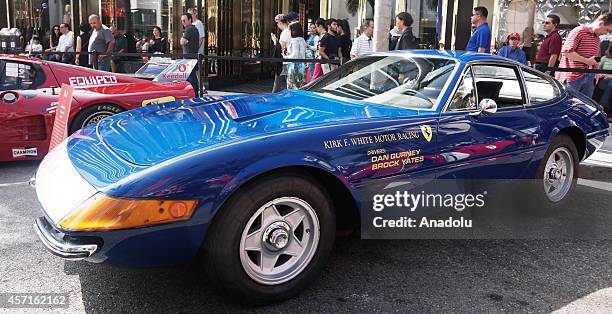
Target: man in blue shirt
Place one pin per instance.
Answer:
(512, 50)
(481, 38)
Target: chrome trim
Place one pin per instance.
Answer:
(407, 55)
(469, 65)
(63, 249)
(551, 80)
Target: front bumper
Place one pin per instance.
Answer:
(63, 245)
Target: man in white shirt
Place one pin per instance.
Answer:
(200, 26)
(363, 44)
(66, 44)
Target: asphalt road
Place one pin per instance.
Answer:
(362, 275)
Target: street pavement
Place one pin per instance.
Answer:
(362, 275)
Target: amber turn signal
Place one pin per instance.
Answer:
(102, 212)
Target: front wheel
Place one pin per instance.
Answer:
(271, 239)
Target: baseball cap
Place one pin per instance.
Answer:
(514, 35)
(292, 16)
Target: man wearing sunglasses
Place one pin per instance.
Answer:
(549, 52)
(481, 38)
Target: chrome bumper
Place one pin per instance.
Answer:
(57, 244)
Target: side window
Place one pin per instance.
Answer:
(20, 76)
(500, 83)
(465, 96)
(540, 88)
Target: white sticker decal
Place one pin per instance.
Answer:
(25, 152)
(52, 107)
(12, 69)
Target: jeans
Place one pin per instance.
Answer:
(311, 69)
(193, 79)
(585, 84)
(280, 83)
(104, 64)
(606, 87)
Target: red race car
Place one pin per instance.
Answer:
(29, 93)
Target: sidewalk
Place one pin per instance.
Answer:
(254, 87)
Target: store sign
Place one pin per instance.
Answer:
(62, 113)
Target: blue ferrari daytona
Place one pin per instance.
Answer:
(254, 187)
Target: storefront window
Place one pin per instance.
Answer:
(137, 16)
(211, 28)
(526, 16)
(425, 14)
(251, 28)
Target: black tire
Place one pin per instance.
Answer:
(544, 205)
(93, 114)
(221, 252)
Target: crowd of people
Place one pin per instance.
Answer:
(331, 41)
(95, 37)
(581, 50)
(328, 40)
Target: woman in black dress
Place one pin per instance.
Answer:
(158, 43)
(82, 45)
(344, 32)
(53, 42)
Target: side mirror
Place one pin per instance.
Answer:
(9, 97)
(487, 105)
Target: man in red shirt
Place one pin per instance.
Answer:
(579, 52)
(549, 52)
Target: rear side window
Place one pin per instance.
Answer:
(18, 76)
(500, 83)
(539, 87)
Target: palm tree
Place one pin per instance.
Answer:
(353, 5)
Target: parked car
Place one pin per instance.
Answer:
(29, 93)
(254, 186)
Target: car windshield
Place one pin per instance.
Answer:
(401, 81)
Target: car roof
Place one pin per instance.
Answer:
(461, 56)
(19, 58)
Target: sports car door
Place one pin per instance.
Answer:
(24, 111)
(475, 144)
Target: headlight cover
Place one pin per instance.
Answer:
(102, 212)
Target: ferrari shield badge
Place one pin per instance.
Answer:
(426, 130)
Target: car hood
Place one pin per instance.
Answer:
(154, 134)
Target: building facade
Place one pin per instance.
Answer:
(243, 27)
(522, 16)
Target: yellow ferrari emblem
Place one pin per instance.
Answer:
(426, 130)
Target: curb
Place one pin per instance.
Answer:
(597, 167)
(595, 172)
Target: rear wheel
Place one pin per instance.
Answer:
(271, 239)
(93, 114)
(557, 174)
